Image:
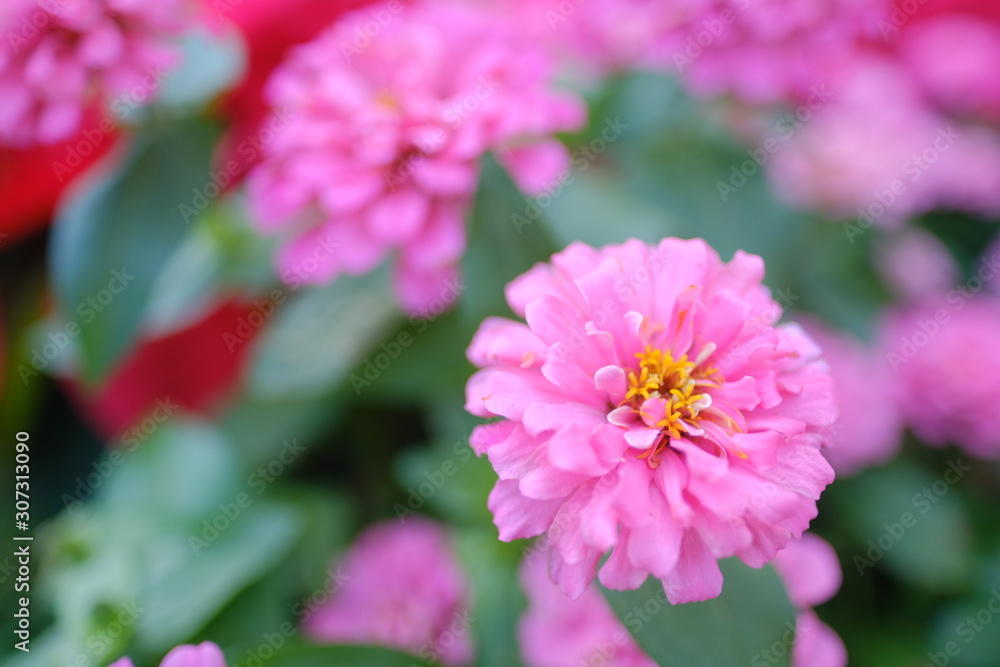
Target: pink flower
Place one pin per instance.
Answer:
(601, 35)
(63, 53)
(947, 363)
(650, 407)
(916, 265)
(811, 572)
(863, 434)
(205, 654)
(382, 150)
(558, 632)
(888, 112)
(402, 588)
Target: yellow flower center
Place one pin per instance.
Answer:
(678, 382)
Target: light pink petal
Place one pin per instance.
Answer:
(537, 168)
(810, 569)
(816, 645)
(517, 516)
(205, 654)
(697, 575)
(398, 216)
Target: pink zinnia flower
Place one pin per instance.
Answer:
(558, 632)
(947, 363)
(862, 436)
(403, 589)
(63, 53)
(811, 572)
(650, 407)
(205, 654)
(386, 134)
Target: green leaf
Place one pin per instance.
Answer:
(320, 335)
(179, 603)
(491, 566)
(753, 615)
(113, 234)
(908, 521)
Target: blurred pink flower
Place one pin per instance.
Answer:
(915, 265)
(387, 130)
(862, 436)
(602, 36)
(947, 362)
(878, 152)
(812, 575)
(768, 51)
(402, 588)
(556, 631)
(63, 53)
(650, 407)
(205, 654)
(889, 110)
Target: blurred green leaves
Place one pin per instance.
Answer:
(115, 232)
(751, 617)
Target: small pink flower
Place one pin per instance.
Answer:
(385, 138)
(916, 265)
(864, 434)
(402, 588)
(61, 54)
(205, 654)
(947, 366)
(558, 632)
(650, 407)
(811, 572)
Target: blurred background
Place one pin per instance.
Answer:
(207, 438)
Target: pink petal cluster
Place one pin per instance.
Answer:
(890, 110)
(866, 433)
(650, 407)
(60, 55)
(602, 36)
(388, 129)
(947, 363)
(402, 589)
(811, 572)
(556, 631)
(205, 654)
